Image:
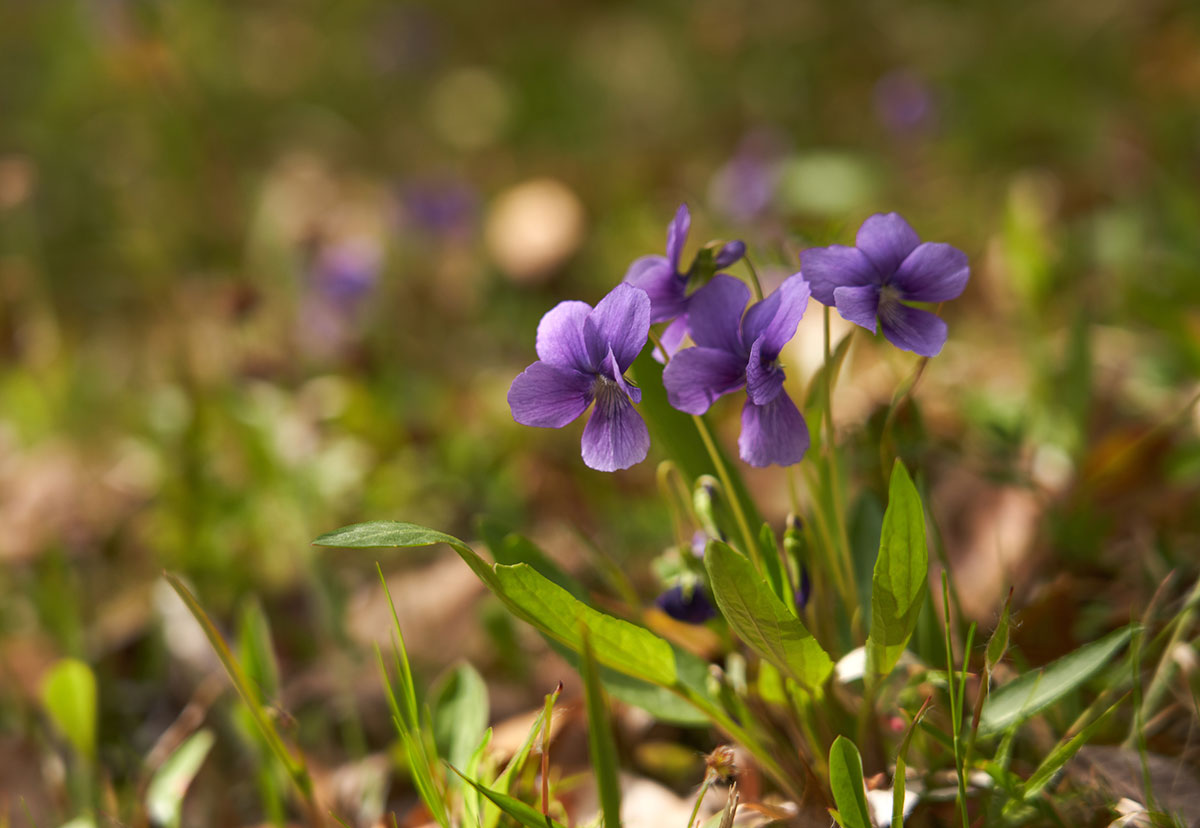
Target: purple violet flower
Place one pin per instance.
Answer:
(888, 266)
(735, 351)
(583, 356)
(803, 589)
(691, 606)
(666, 283)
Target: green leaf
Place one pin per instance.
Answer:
(659, 702)
(460, 714)
(1063, 752)
(472, 800)
(515, 808)
(69, 695)
(533, 598)
(623, 646)
(257, 651)
(899, 582)
(761, 619)
(997, 645)
(601, 746)
(846, 780)
(295, 766)
(773, 564)
(510, 548)
(168, 786)
(1016, 701)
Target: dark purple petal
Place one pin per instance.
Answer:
(774, 319)
(729, 253)
(886, 238)
(764, 376)
(620, 321)
(911, 329)
(677, 232)
(666, 289)
(772, 433)
(715, 314)
(615, 436)
(690, 607)
(859, 305)
(549, 397)
(803, 589)
(696, 377)
(828, 268)
(612, 371)
(934, 272)
(560, 336)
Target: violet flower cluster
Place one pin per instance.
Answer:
(584, 352)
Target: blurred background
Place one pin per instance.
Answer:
(268, 268)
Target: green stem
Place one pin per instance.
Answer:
(835, 489)
(730, 492)
(754, 282)
(708, 780)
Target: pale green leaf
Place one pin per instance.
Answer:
(899, 582)
(69, 695)
(601, 745)
(168, 786)
(846, 780)
(762, 620)
(515, 808)
(460, 713)
(1016, 701)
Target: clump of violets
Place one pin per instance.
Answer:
(734, 351)
(888, 267)
(583, 354)
(667, 284)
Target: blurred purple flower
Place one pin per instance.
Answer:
(691, 606)
(440, 207)
(889, 266)
(904, 103)
(735, 351)
(583, 355)
(666, 283)
(804, 589)
(744, 187)
(344, 273)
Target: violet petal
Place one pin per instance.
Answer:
(615, 436)
(620, 321)
(667, 291)
(690, 608)
(560, 336)
(677, 232)
(715, 314)
(859, 305)
(886, 239)
(671, 338)
(912, 329)
(764, 376)
(547, 396)
(828, 268)
(611, 370)
(774, 319)
(696, 377)
(934, 272)
(773, 433)
(729, 253)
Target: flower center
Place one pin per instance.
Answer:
(608, 394)
(889, 294)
